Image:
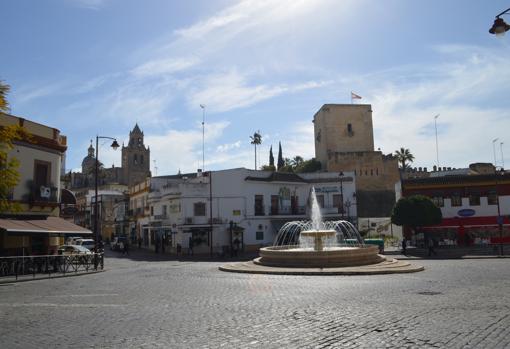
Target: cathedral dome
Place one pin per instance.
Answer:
(89, 161)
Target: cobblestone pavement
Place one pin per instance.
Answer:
(142, 302)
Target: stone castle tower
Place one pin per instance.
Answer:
(344, 141)
(135, 158)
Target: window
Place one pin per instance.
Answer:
(135, 159)
(259, 205)
(474, 199)
(337, 202)
(199, 208)
(42, 172)
(163, 211)
(152, 210)
(456, 199)
(438, 201)
(259, 235)
(349, 129)
(274, 204)
(320, 200)
(492, 198)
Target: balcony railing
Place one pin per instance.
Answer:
(288, 211)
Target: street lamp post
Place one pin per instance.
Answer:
(114, 145)
(500, 27)
(341, 175)
(500, 218)
(437, 146)
(203, 137)
(494, 150)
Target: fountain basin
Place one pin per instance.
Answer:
(329, 257)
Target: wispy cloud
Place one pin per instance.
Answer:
(231, 90)
(164, 66)
(89, 4)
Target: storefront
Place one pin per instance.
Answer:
(36, 235)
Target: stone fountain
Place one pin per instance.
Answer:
(320, 247)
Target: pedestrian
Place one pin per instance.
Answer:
(139, 242)
(236, 246)
(163, 245)
(190, 246)
(431, 247)
(126, 248)
(404, 247)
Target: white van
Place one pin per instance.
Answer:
(72, 240)
(87, 243)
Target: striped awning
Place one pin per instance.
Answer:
(53, 226)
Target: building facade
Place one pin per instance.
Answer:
(36, 228)
(344, 141)
(239, 206)
(475, 208)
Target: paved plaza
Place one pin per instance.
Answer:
(146, 302)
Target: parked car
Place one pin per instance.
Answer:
(73, 249)
(87, 243)
(117, 243)
(72, 240)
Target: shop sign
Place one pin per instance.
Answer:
(467, 212)
(326, 190)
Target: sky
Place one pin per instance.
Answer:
(97, 67)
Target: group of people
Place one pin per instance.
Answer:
(430, 247)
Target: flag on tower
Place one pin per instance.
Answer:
(354, 96)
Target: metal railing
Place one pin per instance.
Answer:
(50, 265)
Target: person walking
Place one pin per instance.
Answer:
(126, 248)
(404, 247)
(190, 246)
(139, 242)
(431, 247)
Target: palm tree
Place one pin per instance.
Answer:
(256, 139)
(296, 161)
(404, 155)
(4, 89)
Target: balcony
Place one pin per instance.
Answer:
(160, 217)
(288, 211)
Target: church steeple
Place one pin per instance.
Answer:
(136, 137)
(91, 150)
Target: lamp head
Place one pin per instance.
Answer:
(115, 145)
(500, 27)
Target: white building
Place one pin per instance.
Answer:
(239, 205)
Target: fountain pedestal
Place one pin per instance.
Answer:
(318, 237)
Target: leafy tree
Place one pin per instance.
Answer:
(9, 166)
(403, 156)
(268, 168)
(416, 211)
(271, 157)
(280, 163)
(4, 90)
(308, 166)
(256, 139)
